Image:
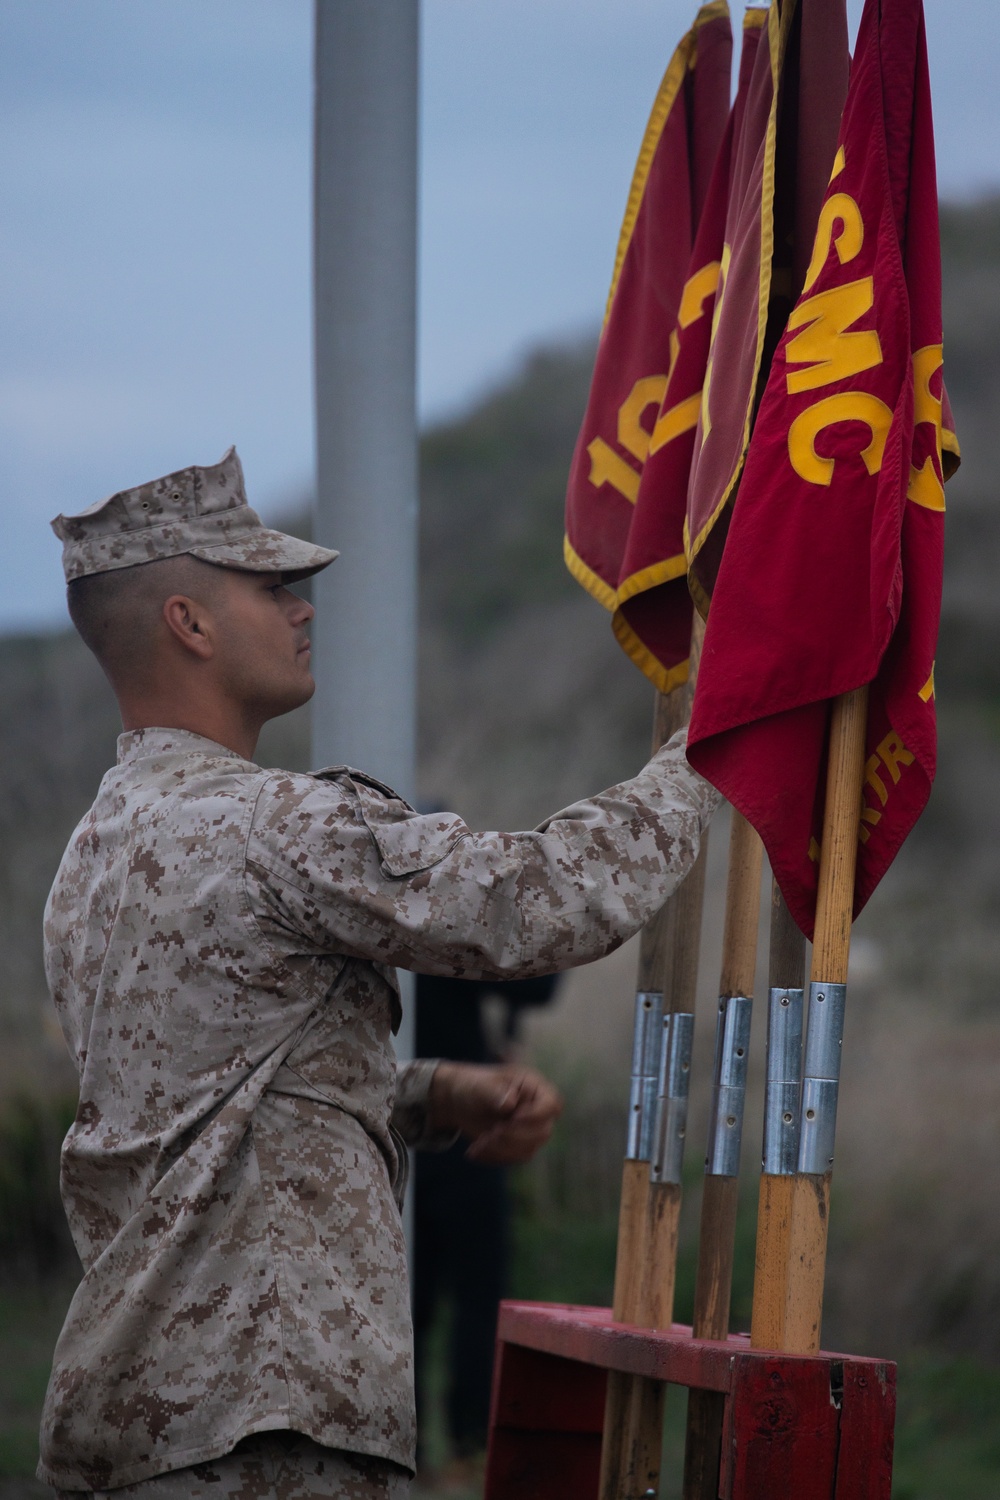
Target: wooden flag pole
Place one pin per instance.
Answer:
(643, 1433)
(810, 1201)
(791, 1251)
(713, 1285)
(650, 1209)
(643, 1430)
(677, 967)
(670, 714)
(787, 962)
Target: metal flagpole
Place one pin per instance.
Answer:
(365, 295)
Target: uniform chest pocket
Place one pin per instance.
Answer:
(407, 841)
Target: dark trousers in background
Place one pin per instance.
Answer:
(460, 1258)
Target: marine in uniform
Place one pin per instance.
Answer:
(220, 942)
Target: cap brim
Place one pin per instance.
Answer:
(264, 551)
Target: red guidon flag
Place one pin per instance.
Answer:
(652, 620)
(753, 245)
(831, 575)
(780, 169)
(740, 318)
(633, 359)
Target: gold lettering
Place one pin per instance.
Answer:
(839, 208)
(706, 420)
(830, 351)
(697, 290)
(894, 754)
(682, 417)
(927, 691)
(926, 363)
(606, 467)
(670, 424)
(646, 392)
(870, 816)
(675, 349)
(849, 406)
(872, 779)
(925, 488)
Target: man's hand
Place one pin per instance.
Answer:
(507, 1111)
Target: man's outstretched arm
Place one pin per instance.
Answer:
(354, 870)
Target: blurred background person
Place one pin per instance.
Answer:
(462, 1217)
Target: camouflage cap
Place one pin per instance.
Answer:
(203, 512)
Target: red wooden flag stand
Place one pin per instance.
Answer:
(797, 1427)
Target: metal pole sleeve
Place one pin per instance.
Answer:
(645, 1071)
(732, 1046)
(673, 1086)
(784, 1081)
(821, 1079)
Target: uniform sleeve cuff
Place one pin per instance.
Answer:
(410, 1110)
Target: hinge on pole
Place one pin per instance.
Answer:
(645, 1070)
(670, 1126)
(821, 1077)
(729, 1085)
(784, 1081)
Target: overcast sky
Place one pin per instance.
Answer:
(154, 222)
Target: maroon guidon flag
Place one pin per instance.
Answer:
(748, 265)
(652, 620)
(831, 573)
(780, 170)
(665, 202)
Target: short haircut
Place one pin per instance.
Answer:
(118, 612)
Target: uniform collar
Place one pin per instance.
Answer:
(141, 744)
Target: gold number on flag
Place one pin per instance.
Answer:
(631, 434)
(697, 290)
(607, 466)
(683, 416)
(706, 420)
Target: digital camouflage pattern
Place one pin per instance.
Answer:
(269, 1464)
(201, 511)
(220, 945)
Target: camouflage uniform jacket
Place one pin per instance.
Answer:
(220, 945)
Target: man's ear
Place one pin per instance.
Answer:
(188, 623)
